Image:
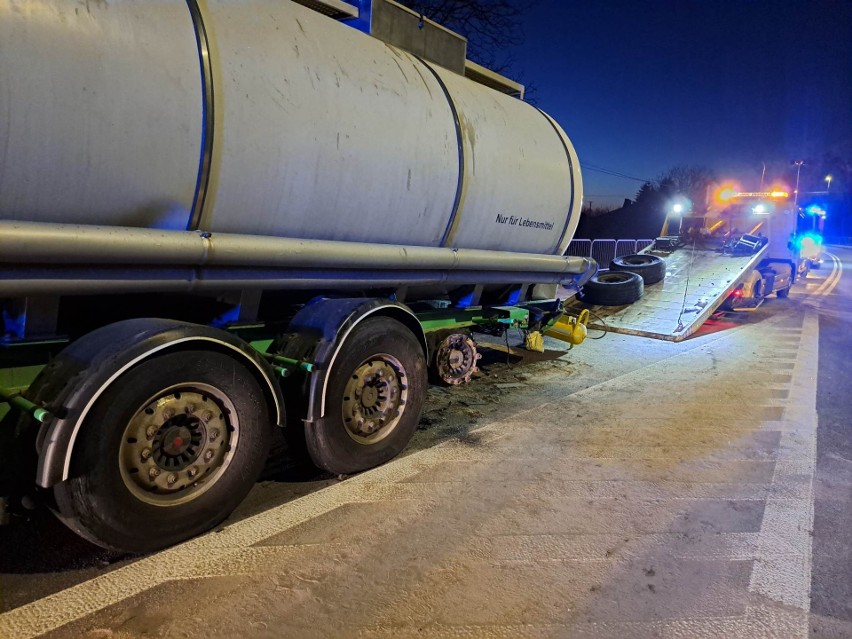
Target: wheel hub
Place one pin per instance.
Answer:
(455, 359)
(178, 443)
(370, 397)
(374, 399)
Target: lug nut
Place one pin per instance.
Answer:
(153, 472)
(171, 479)
(150, 432)
(212, 435)
(193, 471)
(168, 413)
(207, 416)
(146, 453)
(189, 409)
(208, 455)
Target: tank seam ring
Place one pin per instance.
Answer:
(460, 143)
(570, 173)
(208, 112)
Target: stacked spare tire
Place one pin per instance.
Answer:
(625, 281)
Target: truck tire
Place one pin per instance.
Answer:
(166, 452)
(651, 268)
(614, 288)
(374, 400)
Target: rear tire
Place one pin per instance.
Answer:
(651, 268)
(374, 399)
(614, 288)
(167, 452)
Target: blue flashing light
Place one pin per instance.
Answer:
(514, 297)
(808, 240)
(813, 209)
(14, 324)
(230, 316)
(365, 15)
(466, 301)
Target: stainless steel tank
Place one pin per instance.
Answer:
(266, 118)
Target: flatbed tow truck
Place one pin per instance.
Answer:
(731, 258)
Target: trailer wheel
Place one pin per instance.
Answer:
(167, 452)
(614, 288)
(651, 268)
(374, 399)
(455, 359)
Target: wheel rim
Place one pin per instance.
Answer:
(456, 359)
(374, 398)
(178, 444)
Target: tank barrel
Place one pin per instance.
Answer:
(265, 118)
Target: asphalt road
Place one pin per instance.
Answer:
(831, 583)
(626, 488)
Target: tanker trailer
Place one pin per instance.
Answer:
(219, 219)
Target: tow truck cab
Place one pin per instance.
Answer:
(750, 220)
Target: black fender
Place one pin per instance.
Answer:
(73, 381)
(321, 327)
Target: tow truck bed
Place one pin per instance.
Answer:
(697, 281)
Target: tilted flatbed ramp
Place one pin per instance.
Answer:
(697, 281)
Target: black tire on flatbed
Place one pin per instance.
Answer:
(651, 268)
(613, 288)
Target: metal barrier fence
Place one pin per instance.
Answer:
(579, 248)
(604, 251)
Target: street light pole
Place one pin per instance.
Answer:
(798, 164)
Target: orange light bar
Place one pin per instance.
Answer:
(726, 194)
(762, 194)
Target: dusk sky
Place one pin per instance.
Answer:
(642, 86)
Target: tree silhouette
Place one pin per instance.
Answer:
(645, 193)
(490, 26)
(689, 181)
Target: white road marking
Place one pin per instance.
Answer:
(833, 278)
(787, 579)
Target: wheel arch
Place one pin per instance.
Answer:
(332, 322)
(130, 345)
(391, 310)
